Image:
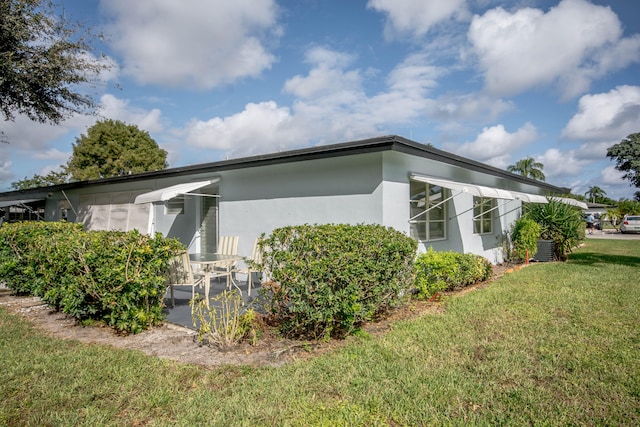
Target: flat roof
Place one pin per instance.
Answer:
(377, 144)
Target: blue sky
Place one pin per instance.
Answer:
(492, 80)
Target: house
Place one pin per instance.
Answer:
(442, 200)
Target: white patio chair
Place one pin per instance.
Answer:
(180, 273)
(227, 245)
(252, 265)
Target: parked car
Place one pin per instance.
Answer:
(630, 224)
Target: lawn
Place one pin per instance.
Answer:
(550, 344)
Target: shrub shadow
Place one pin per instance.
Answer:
(592, 258)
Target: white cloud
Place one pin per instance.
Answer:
(593, 151)
(257, 129)
(474, 106)
(569, 46)
(200, 45)
(609, 116)
(417, 16)
(326, 77)
(611, 176)
(5, 171)
(559, 163)
(330, 105)
(121, 109)
(494, 144)
(52, 154)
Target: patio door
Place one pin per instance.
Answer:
(208, 224)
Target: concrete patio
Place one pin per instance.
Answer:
(181, 313)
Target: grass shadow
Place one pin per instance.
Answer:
(592, 258)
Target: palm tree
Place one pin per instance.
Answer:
(528, 168)
(595, 193)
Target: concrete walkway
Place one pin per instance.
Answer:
(612, 234)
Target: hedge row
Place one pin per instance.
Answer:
(443, 271)
(328, 279)
(115, 277)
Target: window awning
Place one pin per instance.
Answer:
(18, 202)
(572, 202)
(476, 190)
(173, 191)
(529, 198)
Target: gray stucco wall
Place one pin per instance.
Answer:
(332, 190)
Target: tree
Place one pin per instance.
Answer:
(52, 178)
(529, 168)
(43, 58)
(626, 153)
(595, 194)
(113, 148)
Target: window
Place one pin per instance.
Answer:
(483, 214)
(428, 211)
(174, 206)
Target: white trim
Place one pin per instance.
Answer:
(476, 190)
(173, 191)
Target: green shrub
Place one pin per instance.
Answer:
(115, 277)
(560, 222)
(524, 237)
(27, 249)
(328, 279)
(444, 271)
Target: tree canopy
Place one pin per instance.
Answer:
(52, 178)
(626, 154)
(113, 148)
(43, 59)
(529, 168)
(596, 194)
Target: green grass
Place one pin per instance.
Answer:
(551, 344)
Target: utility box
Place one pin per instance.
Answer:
(545, 251)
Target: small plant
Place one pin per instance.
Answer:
(524, 238)
(224, 323)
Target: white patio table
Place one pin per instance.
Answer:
(209, 261)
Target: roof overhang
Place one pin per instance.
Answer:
(19, 202)
(476, 190)
(168, 193)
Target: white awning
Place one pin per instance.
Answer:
(529, 198)
(572, 202)
(476, 190)
(173, 191)
(18, 202)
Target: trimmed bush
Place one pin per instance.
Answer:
(524, 237)
(328, 279)
(115, 277)
(446, 271)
